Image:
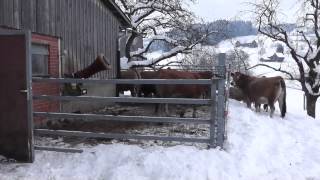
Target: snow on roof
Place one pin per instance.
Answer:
(280, 55)
(271, 53)
(116, 10)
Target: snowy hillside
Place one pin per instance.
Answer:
(258, 147)
(266, 48)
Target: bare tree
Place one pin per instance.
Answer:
(307, 61)
(152, 19)
(201, 58)
(238, 59)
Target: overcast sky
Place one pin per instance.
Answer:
(211, 10)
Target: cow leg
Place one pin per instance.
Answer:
(137, 90)
(265, 107)
(167, 109)
(133, 92)
(272, 109)
(248, 102)
(194, 113)
(159, 109)
(180, 110)
(257, 106)
(156, 108)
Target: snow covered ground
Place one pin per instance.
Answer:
(258, 147)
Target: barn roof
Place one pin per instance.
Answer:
(115, 9)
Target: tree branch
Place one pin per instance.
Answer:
(279, 70)
(172, 62)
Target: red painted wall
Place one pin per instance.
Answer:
(46, 88)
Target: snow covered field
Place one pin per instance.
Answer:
(258, 147)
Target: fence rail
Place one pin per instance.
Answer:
(125, 99)
(123, 118)
(117, 136)
(127, 81)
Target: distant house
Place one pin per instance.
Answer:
(252, 44)
(276, 57)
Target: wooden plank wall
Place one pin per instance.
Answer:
(86, 28)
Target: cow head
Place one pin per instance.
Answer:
(239, 79)
(106, 64)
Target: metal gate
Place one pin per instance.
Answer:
(16, 135)
(217, 104)
(16, 123)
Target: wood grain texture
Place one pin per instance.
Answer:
(86, 28)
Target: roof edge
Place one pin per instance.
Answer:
(124, 20)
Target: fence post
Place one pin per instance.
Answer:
(221, 100)
(213, 110)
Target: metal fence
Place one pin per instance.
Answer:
(216, 122)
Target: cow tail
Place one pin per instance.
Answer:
(283, 105)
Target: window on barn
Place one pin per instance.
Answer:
(40, 55)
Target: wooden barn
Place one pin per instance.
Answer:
(67, 35)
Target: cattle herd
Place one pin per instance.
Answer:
(166, 90)
(249, 89)
(259, 91)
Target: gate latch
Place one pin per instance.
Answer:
(25, 91)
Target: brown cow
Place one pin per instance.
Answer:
(237, 94)
(75, 89)
(265, 90)
(148, 90)
(129, 74)
(181, 91)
